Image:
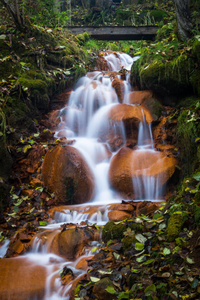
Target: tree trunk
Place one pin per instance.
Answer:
(184, 21)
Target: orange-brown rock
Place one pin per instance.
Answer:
(138, 97)
(82, 263)
(54, 118)
(20, 243)
(125, 112)
(101, 63)
(131, 116)
(118, 85)
(123, 207)
(117, 215)
(128, 164)
(167, 149)
(66, 174)
(146, 99)
(70, 243)
(21, 279)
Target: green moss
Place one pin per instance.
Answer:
(51, 86)
(123, 14)
(196, 49)
(68, 62)
(195, 81)
(128, 243)
(113, 231)
(158, 15)
(188, 129)
(164, 78)
(83, 37)
(138, 228)
(34, 84)
(19, 115)
(113, 47)
(174, 226)
(164, 31)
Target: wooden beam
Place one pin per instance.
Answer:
(117, 32)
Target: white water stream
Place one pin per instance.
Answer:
(86, 119)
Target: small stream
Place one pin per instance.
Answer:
(86, 119)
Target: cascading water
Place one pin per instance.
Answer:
(86, 120)
(146, 187)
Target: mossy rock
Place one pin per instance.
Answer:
(100, 287)
(34, 84)
(112, 231)
(128, 242)
(174, 226)
(164, 78)
(154, 107)
(41, 88)
(138, 228)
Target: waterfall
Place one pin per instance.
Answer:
(99, 137)
(86, 119)
(146, 187)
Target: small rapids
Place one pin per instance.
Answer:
(86, 119)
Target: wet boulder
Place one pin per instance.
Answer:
(21, 279)
(148, 101)
(71, 243)
(133, 113)
(118, 85)
(66, 173)
(138, 97)
(116, 215)
(123, 121)
(100, 287)
(132, 172)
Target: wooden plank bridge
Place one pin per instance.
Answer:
(117, 32)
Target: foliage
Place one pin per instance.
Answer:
(162, 262)
(145, 13)
(42, 13)
(188, 132)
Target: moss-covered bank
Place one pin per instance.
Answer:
(35, 66)
(168, 67)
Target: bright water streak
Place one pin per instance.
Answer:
(84, 119)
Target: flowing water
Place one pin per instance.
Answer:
(86, 120)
